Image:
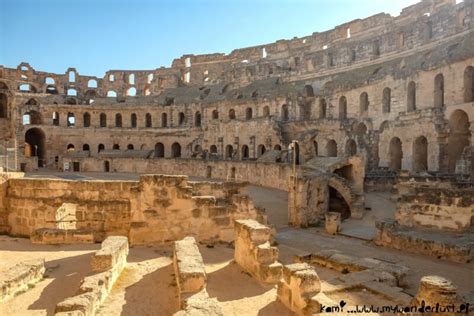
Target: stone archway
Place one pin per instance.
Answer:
(459, 137)
(35, 140)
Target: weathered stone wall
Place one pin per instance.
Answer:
(164, 208)
(254, 253)
(110, 260)
(434, 205)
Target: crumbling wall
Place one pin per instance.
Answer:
(254, 253)
(20, 277)
(109, 262)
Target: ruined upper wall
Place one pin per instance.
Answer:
(350, 44)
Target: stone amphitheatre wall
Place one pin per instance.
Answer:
(154, 209)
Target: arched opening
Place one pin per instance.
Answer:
(360, 129)
(213, 149)
(159, 150)
(231, 114)
(338, 204)
(248, 113)
(232, 173)
(229, 152)
(55, 118)
(322, 108)
(100, 148)
(420, 154)
(215, 114)
(245, 152)
(111, 94)
(164, 120)
(92, 83)
(131, 92)
(315, 148)
(35, 141)
(176, 150)
(459, 137)
(103, 120)
(364, 102)
(3, 105)
(133, 120)
(386, 100)
(148, 120)
(260, 150)
(266, 111)
(118, 120)
(308, 91)
(277, 147)
(116, 147)
(130, 147)
(439, 91)
(342, 108)
(181, 119)
(86, 118)
(395, 154)
(285, 115)
(70, 148)
(296, 153)
(71, 120)
(351, 148)
(331, 148)
(469, 84)
(86, 147)
(411, 96)
(197, 119)
(106, 166)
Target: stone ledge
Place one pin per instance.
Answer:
(188, 267)
(56, 236)
(19, 277)
(113, 252)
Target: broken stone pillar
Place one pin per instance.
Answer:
(254, 253)
(333, 223)
(188, 268)
(436, 290)
(299, 289)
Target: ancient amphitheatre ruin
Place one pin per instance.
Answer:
(314, 175)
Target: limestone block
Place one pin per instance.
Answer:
(19, 277)
(188, 267)
(435, 289)
(200, 304)
(254, 253)
(300, 283)
(113, 252)
(333, 223)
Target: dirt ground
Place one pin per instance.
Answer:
(147, 285)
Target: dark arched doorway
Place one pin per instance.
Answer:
(35, 142)
(338, 204)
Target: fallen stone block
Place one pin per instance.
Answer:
(20, 277)
(112, 254)
(254, 253)
(200, 304)
(188, 268)
(332, 223)
(300, 283)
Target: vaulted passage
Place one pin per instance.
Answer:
(338, 204)
(159, 150)
(420, 154)
(458, 139)
(35, 145)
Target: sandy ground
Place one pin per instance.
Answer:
(147, 285)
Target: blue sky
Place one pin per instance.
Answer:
(97, 35)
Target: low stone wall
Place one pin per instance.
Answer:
(254, 253)
(272, 175)
(20, 277)
(55, 236)
(164, 208)
(300, 289)
(94, 289)
(390, 234)
(188, 268)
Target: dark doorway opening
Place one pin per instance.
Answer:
(338, 204)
